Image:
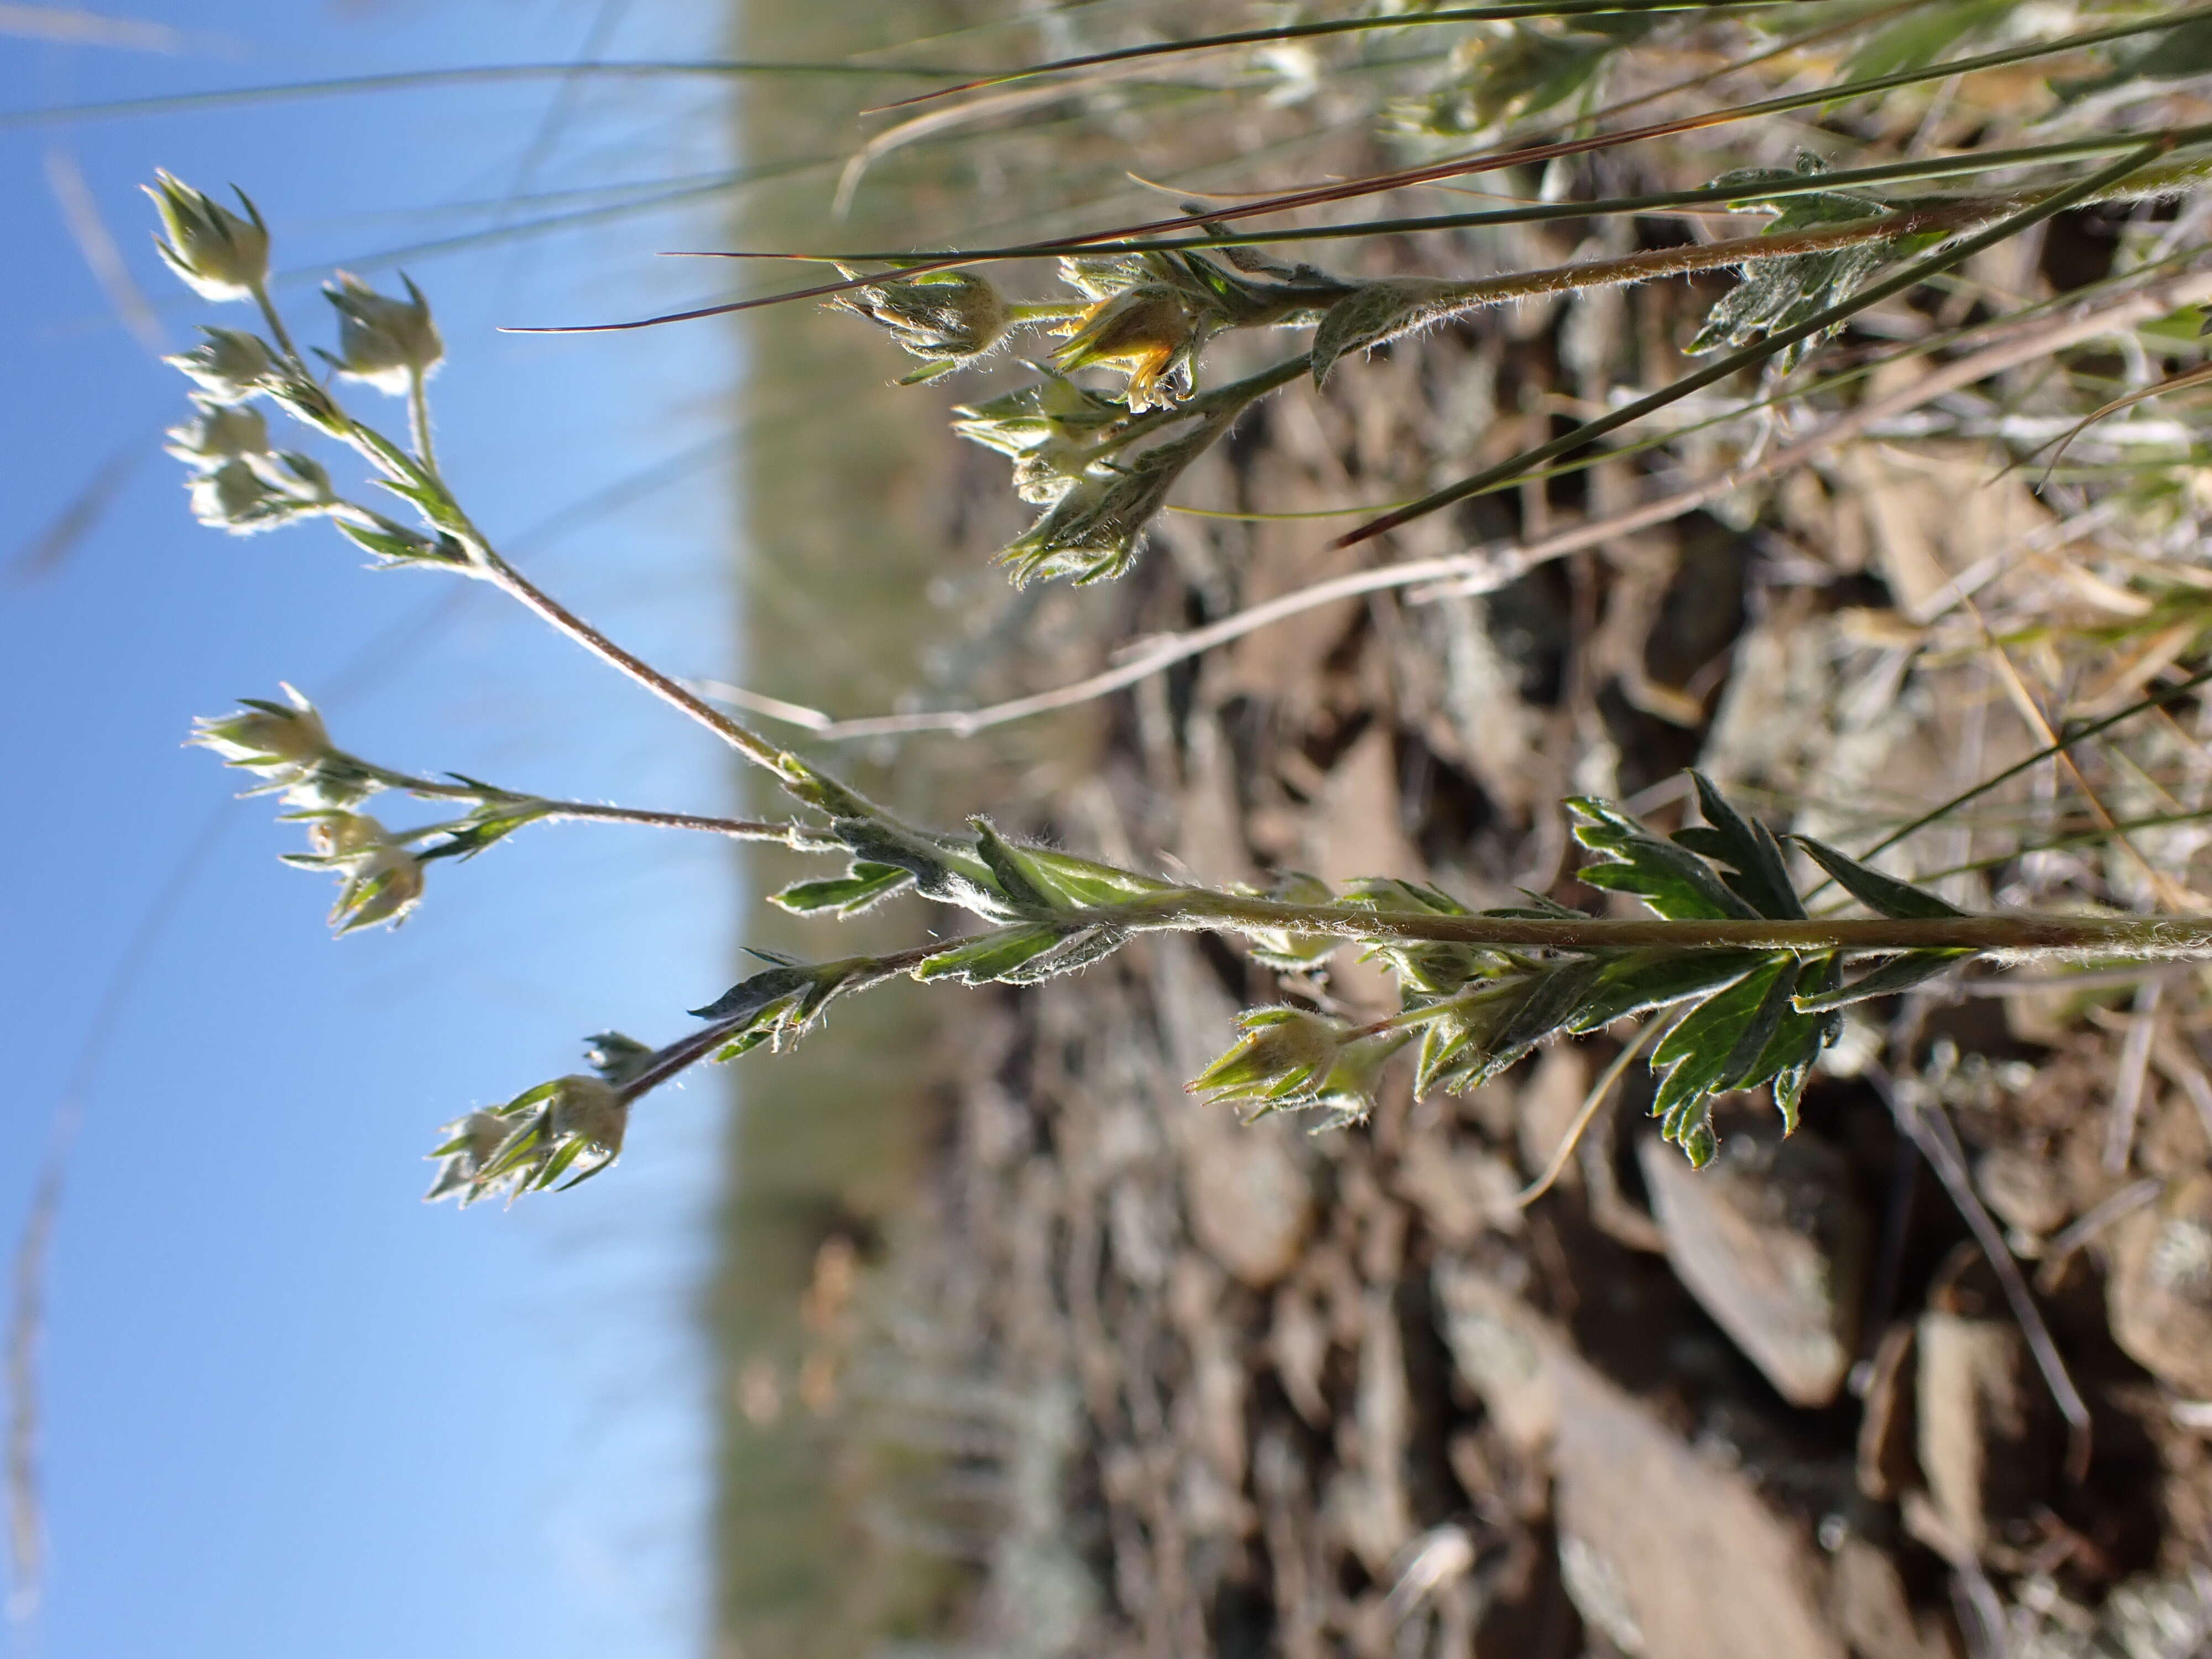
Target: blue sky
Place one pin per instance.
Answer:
(288, 1409)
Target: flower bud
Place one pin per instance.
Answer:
(289, 749)
(343, 840)
(282, 742)
(380, 880)
(470, 1144)
(219, 433)
(952, 317)
(1285, 1055)
(383, 888)
(1051, 431)
(228, 367)
(218, 255)
(381, 340)
(233, 497)
(1093, 529)
(617, 1058)
(302, 477)
(590, 1109)
(1153, 331)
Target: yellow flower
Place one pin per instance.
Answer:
(1151, 330)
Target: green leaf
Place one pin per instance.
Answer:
(1045, 879)
(944, 867)
(1920, 38)
(1555, 999)
(384, 545)
(1798, 1041)
(1898, 974)
(1074, 952)
(1673, 880)
(751, 997)
(1376, 314)
(1636, 982)
(991, 956)
(1883, 895)
(865, 884)
(1725, 1033)
(1774, 294)
(2183, 49)
(1748, 849)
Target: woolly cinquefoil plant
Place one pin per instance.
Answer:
(1731, 952)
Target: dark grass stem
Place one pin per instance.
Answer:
(1477, 162)
(1751, 356)
(1495, 14)
(1821, 184)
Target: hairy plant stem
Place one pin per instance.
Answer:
(418, 420)
(1190, 909)
(1453, 298)
(748, 743)
(800, 837)
(687, 1051)
(282, 335)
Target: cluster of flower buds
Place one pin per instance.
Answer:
(380, 879)
(217, 254)
(385, 342)
(287, 747)
(1293, 1059)
(949, 318)
(573, 1124)
(238, 483)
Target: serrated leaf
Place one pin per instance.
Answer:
(865, 884)
(1697, 1058)
(1748, 848)
(1883, 895)
(1636, 981)
(1798, 1041)
(1772, 295)
(1898, 974)
(1762, 1040)
(1673, 880)
(1555, 999)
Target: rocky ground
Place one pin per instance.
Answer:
(1246, 1389)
